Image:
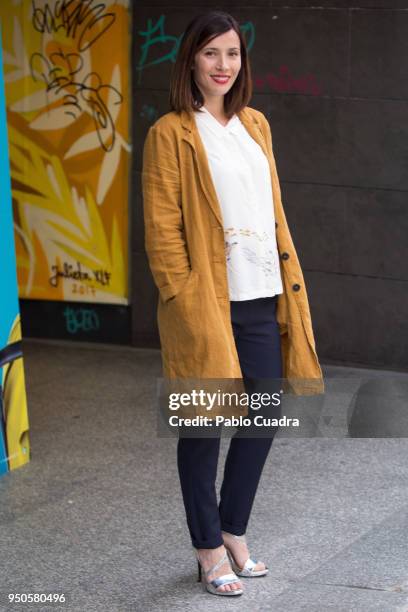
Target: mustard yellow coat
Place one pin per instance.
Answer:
(184, 241)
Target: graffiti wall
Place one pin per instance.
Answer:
(66, 66)
(14, 442)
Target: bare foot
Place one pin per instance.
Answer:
(239, 551)
(208, 557)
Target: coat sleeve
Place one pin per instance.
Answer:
(163, 220)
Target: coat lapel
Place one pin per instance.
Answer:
(192, 136)
(253, 127)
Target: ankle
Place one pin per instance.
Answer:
(232, 537)
(207, 555)
(209, 551)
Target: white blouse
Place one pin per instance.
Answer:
(242, 181)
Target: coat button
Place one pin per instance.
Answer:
(285, 256)
(295, 287)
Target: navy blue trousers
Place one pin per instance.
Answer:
(257, 340)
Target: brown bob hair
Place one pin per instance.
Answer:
(184, 93)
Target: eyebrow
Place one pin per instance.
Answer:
(216, 48)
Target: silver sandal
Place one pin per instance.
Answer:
(212, 586)
(248, 570)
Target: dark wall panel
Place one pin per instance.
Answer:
(144, 308)
(137, 243)
(341, 141)
(316, 217)
(376, 231)
(349, 231)
(360, 320)
(379, 51)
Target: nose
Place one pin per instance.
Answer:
(222, 63)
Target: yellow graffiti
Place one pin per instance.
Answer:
(66, 82)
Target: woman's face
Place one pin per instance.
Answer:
(217, 64)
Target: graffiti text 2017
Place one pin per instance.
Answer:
(102, 277)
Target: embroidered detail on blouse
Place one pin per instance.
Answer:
(228, 249)
(266, 263)
(231, 231)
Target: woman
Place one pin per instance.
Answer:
(232, 300)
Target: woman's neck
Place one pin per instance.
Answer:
(216, 108)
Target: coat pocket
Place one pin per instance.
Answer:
(183, 330)
(190, 281)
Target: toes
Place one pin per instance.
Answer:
(230, 587)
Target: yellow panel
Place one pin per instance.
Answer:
(66, 77)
